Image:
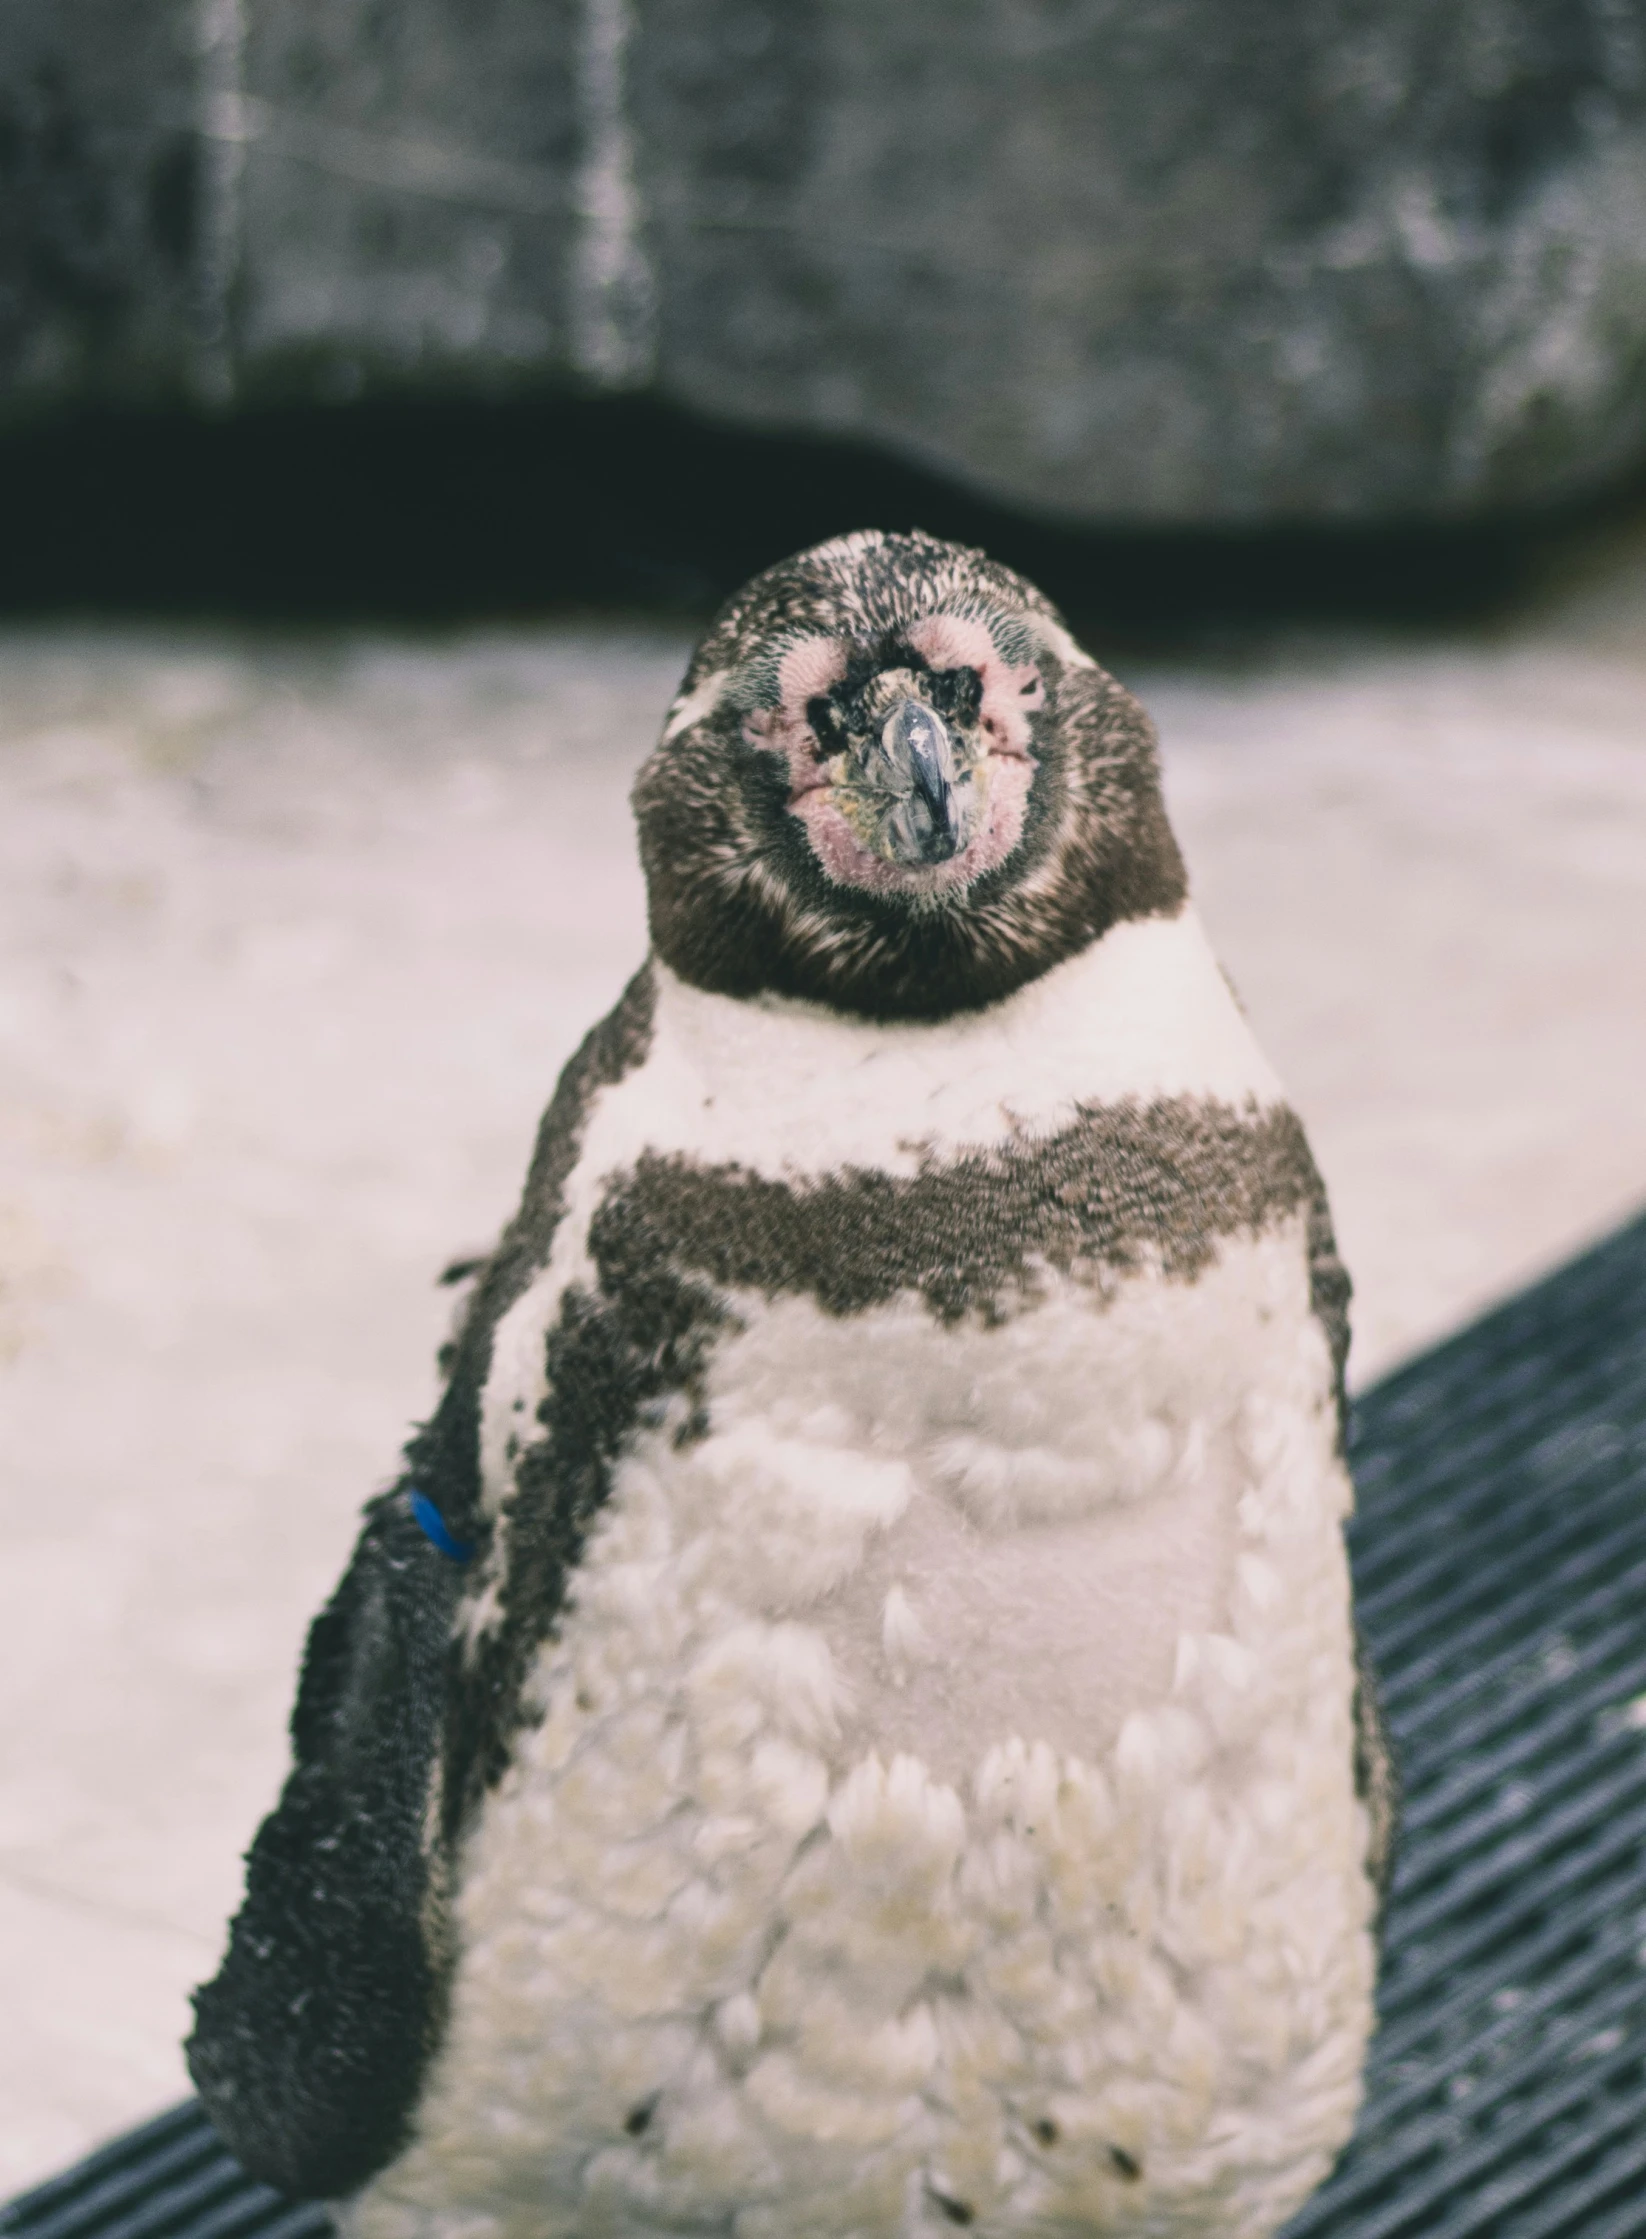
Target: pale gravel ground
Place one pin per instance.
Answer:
(295, 936)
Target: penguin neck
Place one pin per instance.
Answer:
(781, 1085)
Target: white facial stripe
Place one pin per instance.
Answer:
(1057, 639)
(696, 704)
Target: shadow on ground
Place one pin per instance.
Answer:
(443, 513)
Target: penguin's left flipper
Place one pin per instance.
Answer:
(309, 2047)
(1377, 1773)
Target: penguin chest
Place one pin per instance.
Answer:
(940, 1805)
(981, 1532)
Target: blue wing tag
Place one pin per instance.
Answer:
(432, 1525)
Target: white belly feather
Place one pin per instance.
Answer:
(942, 1808)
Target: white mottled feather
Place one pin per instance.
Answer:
(943, 1791)
(786, 1088)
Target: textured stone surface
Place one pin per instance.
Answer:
(1164, 261)
(99, 159)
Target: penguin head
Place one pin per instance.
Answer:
(892, 782)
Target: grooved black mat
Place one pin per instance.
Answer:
(1501, 1557)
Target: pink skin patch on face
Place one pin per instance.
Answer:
(947, 641)
(955, 641)
(849, 863)
(805, 670)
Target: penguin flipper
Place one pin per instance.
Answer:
(1377, 1773)
(309, 2047)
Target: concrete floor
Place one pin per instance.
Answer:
(295, 936)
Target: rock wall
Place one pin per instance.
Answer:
(1116, 261)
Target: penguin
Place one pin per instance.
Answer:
(849, 1720)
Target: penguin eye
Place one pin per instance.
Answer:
(827, 725)
(957, 692)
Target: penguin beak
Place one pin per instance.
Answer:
(913, 760)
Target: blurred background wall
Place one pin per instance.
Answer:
(1122, 261)
(387, 394)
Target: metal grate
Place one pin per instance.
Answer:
(1500, 1556)
(169, 2180)
(1500, 1553)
